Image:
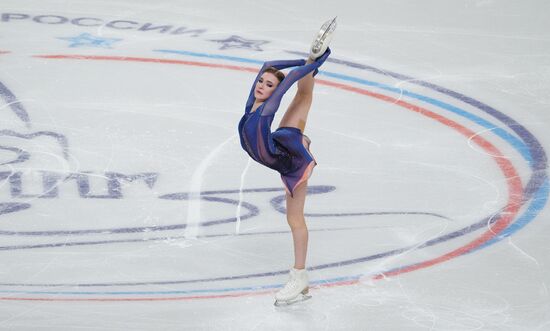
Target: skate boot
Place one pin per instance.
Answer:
(321, 42)
(295, 290)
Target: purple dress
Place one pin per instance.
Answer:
(282, 150)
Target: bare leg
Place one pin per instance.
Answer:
(296, 114)
(297, 223)
(296, 117)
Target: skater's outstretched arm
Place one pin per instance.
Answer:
(277, 64)
(273, 102)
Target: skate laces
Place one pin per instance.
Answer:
(293, 283)
(290, 285)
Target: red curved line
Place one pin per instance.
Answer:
(515, 186)
(512, 178)
(146, 60)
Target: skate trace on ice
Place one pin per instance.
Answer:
(194, 206)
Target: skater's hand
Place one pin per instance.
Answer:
(323, 57)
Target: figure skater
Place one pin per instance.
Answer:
(287, 149)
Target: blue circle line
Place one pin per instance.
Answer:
(541, 195)
(540, 198)
(174, 292)
(515, 142)
(211, 56)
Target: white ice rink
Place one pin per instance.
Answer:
(127, 203)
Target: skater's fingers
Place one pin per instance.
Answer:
(324, 56)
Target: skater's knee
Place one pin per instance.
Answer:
(297, 224)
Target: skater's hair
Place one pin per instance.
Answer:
(279, 74)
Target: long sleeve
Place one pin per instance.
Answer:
(278, 64)
(272, 104)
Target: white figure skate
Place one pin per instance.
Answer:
(321, 42)
(295, 290)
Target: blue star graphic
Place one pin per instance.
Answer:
(86, 39)
(239, 42)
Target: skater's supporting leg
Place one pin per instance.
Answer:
(296, 289)
(297, 222)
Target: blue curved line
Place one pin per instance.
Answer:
(210, 56)
(541, 195)
(515, 142)
(534, 208)
(518, 144)
(180, 292)
(540, 198)
(537, 152)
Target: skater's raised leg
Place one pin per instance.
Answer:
(296, 114)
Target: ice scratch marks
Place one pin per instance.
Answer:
(522, 252)
(472, 139)
(194, 206)
(61, 139)
(15, 105)
(241, 196)
(354, 137)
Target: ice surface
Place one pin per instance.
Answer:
(128, 203)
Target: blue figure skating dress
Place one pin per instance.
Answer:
(282, 150)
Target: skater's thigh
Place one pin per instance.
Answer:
(296, 113)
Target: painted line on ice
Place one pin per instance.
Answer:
(505, 167)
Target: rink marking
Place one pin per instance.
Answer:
(538, 186)
(212, 196)
(146, 60)
(353, 281)
(514, 182)
(506, 167)
(504, 164)
(172, 238)
(518, 144)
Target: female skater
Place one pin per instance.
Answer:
(287, 149)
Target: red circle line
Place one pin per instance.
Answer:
(504, 218)
(513, 180)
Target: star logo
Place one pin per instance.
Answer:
(239, 42)
(86, 39)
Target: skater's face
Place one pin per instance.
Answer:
(265, 86)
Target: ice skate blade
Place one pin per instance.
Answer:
(299, 298)
(320, 44)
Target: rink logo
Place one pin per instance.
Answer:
(21, 186)
(112, 183)
(230, 42)
(86, 39)
(98, 22)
